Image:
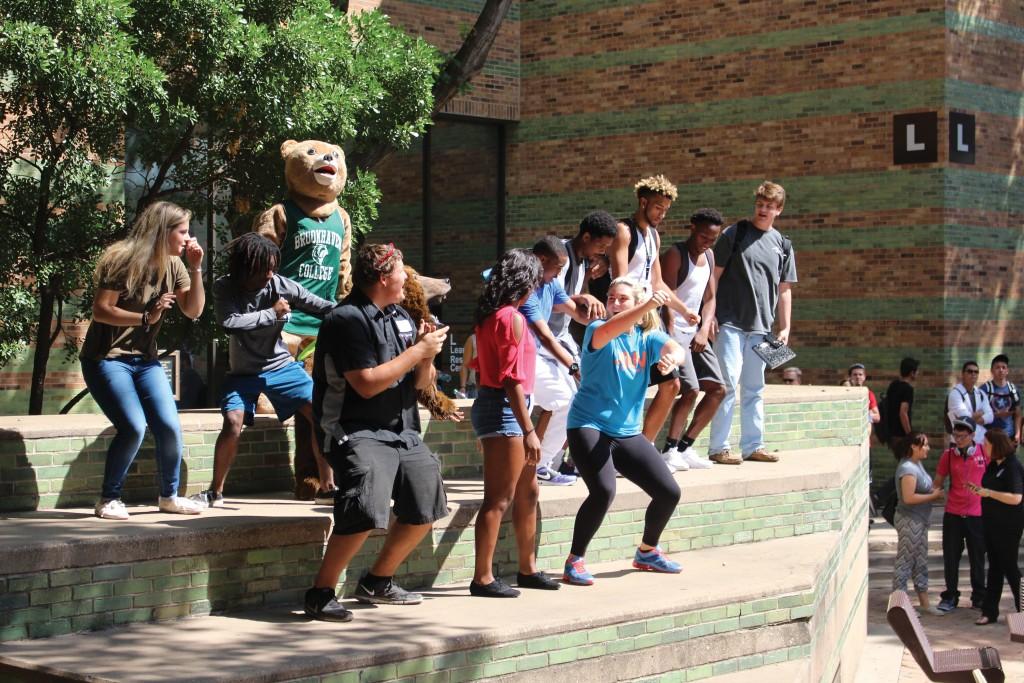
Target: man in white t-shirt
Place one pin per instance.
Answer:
(688, 268)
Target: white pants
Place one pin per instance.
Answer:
(553, 390)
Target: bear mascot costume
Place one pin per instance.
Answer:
(315, 237)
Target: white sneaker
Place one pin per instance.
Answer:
(675, 459)
(695, 461)
(180, 506)
(111, 509)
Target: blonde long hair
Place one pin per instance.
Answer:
(135, 259)
(640, 294)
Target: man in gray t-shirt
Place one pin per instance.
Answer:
(755, 267)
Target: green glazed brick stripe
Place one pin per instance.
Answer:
(909, 308)
(68, 472)
(906, 236)
(728, 666)
(984, 27)
(51, 603)
(884, 97)
(635, 636)
(966, 189)
(809, 35)
(932, 359)
(54, 603)
(446, 557)
(843, 192)
(861, 99)
(984, 98)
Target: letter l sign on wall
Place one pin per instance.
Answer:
(961, 138)
(915, 138)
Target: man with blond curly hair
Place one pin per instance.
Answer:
(634, 253)
(755, 267)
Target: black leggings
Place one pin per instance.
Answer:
(597, 456)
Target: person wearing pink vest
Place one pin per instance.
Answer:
(964, 464)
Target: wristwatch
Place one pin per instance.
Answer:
(574, 368)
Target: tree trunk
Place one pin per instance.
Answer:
(465, 64)
(42, 352)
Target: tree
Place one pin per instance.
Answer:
(198, 94)
(65, 93)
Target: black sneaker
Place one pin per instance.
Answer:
(388, 594)
(538, 580)
(321, 604)
(494, 589)
(209, 498)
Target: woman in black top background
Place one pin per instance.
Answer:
(1002, 513)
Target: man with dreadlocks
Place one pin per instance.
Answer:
(254, 303)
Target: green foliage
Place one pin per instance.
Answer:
(187, 100)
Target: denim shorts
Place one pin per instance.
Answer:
(492, 414)
(288, 388)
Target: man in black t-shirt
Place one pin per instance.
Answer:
(369, 362)
(899, 400)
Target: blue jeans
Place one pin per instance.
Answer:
(133, 392)
(740, 367)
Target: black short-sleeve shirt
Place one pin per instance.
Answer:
(1008, 477)
(898, 392)
(356, 335)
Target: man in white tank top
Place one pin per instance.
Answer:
(688, 267)
(654, 197)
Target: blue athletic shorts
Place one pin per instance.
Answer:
(288, 389)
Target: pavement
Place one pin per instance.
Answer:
(885, 660)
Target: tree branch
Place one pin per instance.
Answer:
(165, 167)
(463, 66)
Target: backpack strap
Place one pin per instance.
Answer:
(1013, 392)
(684, 262)
(634, 238)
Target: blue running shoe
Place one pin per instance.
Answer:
(576, 572)
(654, 561)
(554, 478)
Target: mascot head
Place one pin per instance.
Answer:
(314, 169)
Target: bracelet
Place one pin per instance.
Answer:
(197, 270)
(145, 319)
(529, 431)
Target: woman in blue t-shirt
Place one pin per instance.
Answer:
(604, 427)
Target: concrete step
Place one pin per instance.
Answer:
(718, 617)
(66, 571)
(48, 461)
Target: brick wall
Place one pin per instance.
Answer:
(893, 260)
(42, 466)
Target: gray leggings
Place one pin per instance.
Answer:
(911, 552)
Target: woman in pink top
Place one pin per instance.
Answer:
(964, 464)
(501, 419)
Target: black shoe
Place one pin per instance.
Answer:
(209, 498)
(321, 604)
(538, 580)
(495, 589)
(388, 594)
